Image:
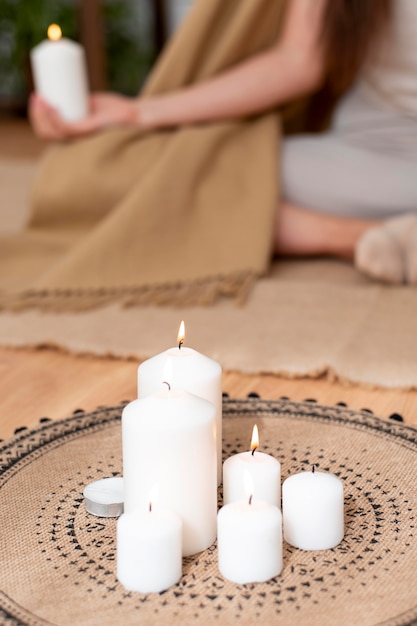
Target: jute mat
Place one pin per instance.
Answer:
(58, 562)
(306, 318)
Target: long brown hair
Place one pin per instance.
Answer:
(349, 28)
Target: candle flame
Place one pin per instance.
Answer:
(54, 32)
(181, 334)
(248, 485)
(254, 444)
(153, 496)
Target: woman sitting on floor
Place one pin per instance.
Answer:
(349, 192)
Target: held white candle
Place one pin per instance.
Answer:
(149, 550)
(60, 74)
(313, 510)
(264, 469)
(168, 439)
(249, 541)
(192, 371)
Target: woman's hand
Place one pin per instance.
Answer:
(106, 110)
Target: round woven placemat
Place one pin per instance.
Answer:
(58, 561)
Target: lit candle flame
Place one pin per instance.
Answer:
(248, 485)
(181, 334)
(254, 444)
(153, 496)
(54, 32)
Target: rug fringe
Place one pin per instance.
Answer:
(203, 292)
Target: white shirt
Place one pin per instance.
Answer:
(389, 77)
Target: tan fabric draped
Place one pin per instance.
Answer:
(177, 216)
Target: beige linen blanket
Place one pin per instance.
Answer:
(179, 216)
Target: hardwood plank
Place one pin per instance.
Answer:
(49, 383)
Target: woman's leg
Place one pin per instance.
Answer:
(305, 232)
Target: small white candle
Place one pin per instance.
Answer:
(249, 541)
(192, 371)
(104, 497)
(168, 439)
(313, 510)
(149, 550)
(60, 74)
(264, 469)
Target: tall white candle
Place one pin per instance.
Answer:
(249, 541)
(264, 469)
(192, 371)
(149, 550)
(168, 439)
(313, 510)
(60, 74)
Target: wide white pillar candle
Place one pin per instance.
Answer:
(60, 74)
(264, 469)
(313, 510)
(192, 371)
(169, 440)
(149, 550)
(249, 541)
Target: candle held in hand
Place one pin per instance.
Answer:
(264, 469)
(60, 74)
(313, 510)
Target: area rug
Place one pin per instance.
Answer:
(58, 561)
(306, 318)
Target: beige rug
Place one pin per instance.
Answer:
(304, 319)
(58, 562)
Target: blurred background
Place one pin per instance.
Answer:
(122, 39)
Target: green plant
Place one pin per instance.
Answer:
(23, 24)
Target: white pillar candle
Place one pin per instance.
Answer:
(149, 550)
(60, 74)
(313, 510)
(168, 439)
(192, 371)
(264, 469)
(249, 539)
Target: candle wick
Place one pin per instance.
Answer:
(150, 507)
(250, 499)
(253, 451)
(181, 341)
(167, 383)
(313, 469)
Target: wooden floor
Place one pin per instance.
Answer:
(48, 383)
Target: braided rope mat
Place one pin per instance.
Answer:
(58, 562)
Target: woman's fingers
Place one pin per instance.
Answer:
(45, 120)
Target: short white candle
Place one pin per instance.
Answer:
(264, 469)
(149, 550)
(168, 439)
(313, 510)
(104, 497)
(192, 371)
(249, 541)
(60, 74)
